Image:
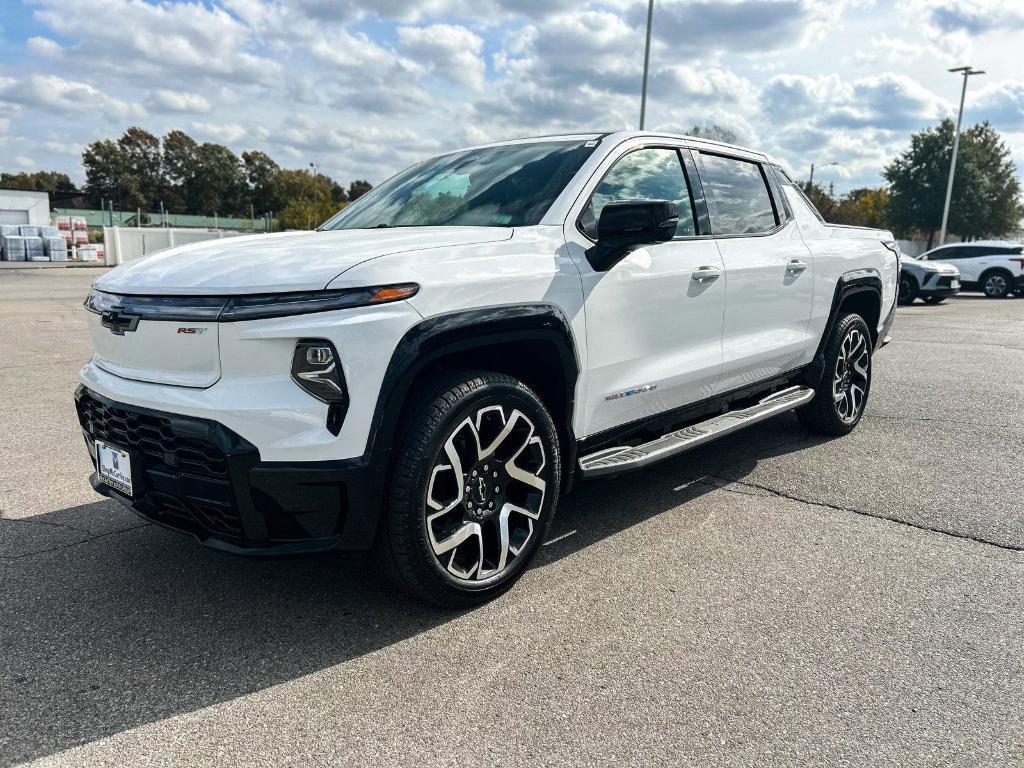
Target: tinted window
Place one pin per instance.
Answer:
(507, 186)
(647, 174)
(742, 205)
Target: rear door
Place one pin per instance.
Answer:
(654, 320)
(769, 272)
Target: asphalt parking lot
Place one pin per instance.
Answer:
(773, 599)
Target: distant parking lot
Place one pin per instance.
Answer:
(772, 597)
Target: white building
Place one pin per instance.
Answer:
(20, 207)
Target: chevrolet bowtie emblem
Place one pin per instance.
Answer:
(118, 321)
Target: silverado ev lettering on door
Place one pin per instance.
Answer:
(427, 374)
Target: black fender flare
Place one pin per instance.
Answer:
(846, 287)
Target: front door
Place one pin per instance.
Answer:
(654, 320)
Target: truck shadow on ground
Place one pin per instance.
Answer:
(139, 625)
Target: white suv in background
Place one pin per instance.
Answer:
(430, 371)
(995, 268)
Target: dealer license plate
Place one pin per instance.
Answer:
(115, 467)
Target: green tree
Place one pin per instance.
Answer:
(179, 163)
(219, 182)
(261, 173)
(40, 181)
(104, 163)
(986, 192)
(141, 177)
(863, 207)
(358, 188)
(714, 132)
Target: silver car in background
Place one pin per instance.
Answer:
(933, 281)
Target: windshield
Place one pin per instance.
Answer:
(508, 186)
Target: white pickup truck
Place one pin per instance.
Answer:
(429, 372)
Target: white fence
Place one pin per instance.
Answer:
(123, 244)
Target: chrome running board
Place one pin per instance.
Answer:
(623, 458)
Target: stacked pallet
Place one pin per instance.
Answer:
(34, 249)
(12, 247)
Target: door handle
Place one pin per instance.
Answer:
(706, 274)
(795, 267)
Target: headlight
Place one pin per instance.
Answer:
(283, 304)
(317, 369)
(226, 309)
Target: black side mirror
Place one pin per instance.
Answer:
(626, 225)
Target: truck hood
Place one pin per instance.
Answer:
(289, 261)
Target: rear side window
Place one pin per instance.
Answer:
(741, 203)
(646, 174)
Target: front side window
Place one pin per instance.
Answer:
(646, 174)
(742, 204)
(507, 186)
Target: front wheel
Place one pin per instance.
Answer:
(842, 393)
(474, 487)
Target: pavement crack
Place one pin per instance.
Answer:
(79, 542)
(48, 523)
(863, 513)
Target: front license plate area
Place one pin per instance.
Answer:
(954, 284)
(114, 466)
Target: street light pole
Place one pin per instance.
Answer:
(315, 168)
(810, 179)
(967, 72)
(647, 63)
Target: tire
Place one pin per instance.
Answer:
(441, 535)
(908, 289)
(842, 394)
(934, 299)
(996, 283)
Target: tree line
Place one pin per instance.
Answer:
(140, 170)
(986, 200)
(178, 174)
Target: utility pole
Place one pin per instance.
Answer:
(967, 72)
(647, 64)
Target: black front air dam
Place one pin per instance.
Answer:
(197, 476)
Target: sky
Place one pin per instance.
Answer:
(364, 89)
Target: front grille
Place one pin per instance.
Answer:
(946, 282)
(154, 438)
(182, 480)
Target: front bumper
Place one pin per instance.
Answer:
(197, 476)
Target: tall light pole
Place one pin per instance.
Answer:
(810, 179)
(314, 168)
(647, 63)
(967, 72)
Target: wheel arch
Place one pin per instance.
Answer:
(993, 270)
(859, 292)
(533, 342)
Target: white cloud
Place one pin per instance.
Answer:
(165, 100)
(43, 46)
(51, 93)
(140, 37)
(451, 52)
(228, 133)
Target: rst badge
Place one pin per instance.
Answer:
(192, 331)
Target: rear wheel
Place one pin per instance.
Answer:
(997, 284)
(842, 393)
(474, 487)
(908, 289)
